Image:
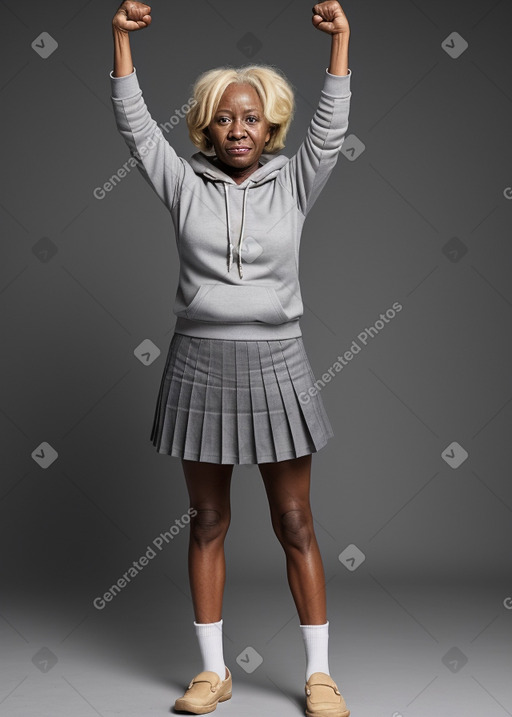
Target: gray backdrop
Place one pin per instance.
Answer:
(412, 498)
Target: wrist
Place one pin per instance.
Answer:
(118, 32)
(342, 36)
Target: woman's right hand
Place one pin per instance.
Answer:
(132, 16)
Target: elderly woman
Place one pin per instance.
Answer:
(237, 387)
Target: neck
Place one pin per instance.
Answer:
(239, 175)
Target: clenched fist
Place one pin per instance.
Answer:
(329, 17)
(132, 16)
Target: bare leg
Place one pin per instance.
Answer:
(209, 492)
(287, 484)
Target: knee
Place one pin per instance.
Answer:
(208, 526)
(295, 529)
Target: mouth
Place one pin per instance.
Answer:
(238, 150)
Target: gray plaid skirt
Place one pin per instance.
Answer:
(232, 401)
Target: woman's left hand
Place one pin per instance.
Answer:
(329, 17)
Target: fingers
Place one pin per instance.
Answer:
(144, 22)
(137, 11)
(133, 16)
(326, 9)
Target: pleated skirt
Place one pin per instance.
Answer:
(236, 401)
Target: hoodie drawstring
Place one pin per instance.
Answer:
(241, 238)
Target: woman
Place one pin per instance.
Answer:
(235, 385)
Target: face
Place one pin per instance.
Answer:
(239, 120)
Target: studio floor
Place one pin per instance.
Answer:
(396, 650)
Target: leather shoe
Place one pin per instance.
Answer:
(323, 698)
(204, 692)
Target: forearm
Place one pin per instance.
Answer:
(339, 54)
(123, 63)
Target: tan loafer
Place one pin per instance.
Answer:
(323, 698)
(204, 692)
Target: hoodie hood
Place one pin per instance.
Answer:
(271, 165)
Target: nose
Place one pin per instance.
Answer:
(237, 128)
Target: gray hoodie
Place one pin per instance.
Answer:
(238, 244)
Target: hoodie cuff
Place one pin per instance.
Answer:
(125, 86)
(337, 85)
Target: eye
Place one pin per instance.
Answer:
(227, 118)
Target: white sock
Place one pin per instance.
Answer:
(209, 635)
(316, 641)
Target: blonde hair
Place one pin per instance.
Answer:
(275, 91)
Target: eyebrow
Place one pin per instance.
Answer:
(251, 109)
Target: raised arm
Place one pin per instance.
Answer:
(129, 17)
(309, 168)
(155, 158)
(329, 17)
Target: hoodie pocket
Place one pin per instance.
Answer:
(227, 303)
